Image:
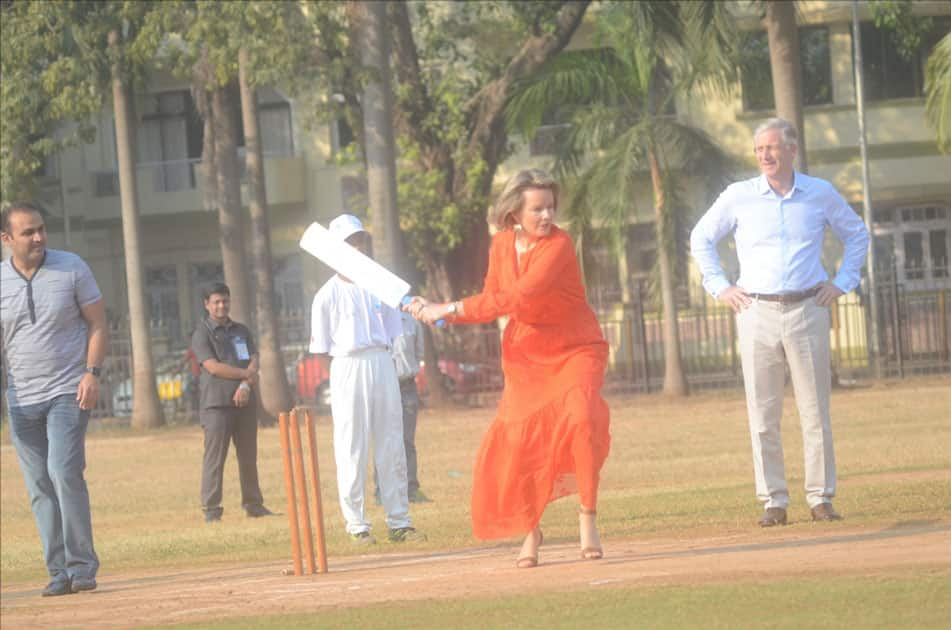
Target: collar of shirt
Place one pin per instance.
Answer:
(800, 183)
(212, 324)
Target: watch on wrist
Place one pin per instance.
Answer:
(95, 370)
(452, 309)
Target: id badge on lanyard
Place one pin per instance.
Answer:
(241, 349)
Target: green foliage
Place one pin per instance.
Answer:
(938, 89)
(45, 77)
(55, 76)
(618, 99)
(908, 29)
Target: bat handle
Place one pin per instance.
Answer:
(440, 323)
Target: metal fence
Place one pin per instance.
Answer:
(914, 329)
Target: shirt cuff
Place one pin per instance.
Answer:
(843, 284)
(716, 286)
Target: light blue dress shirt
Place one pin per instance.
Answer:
(779, 239)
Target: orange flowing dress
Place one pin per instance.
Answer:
(551, 435)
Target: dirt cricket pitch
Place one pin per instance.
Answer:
(146, 598)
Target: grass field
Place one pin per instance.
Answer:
(677, 469)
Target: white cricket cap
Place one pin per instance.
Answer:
(345, 226)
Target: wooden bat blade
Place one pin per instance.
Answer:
(362, 270)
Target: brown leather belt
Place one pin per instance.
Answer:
(786, 298)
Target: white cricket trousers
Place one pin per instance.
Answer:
(772, 334)
(365, 403)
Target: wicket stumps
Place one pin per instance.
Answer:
(296, 485)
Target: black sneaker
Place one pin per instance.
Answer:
(59, 585)
(405, 534)
(417, 496)
(212, 517)
(362, 538)
(83, 583)
(257, 511)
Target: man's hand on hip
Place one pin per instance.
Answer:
(828, 293)
(735, 297)
(88, 391)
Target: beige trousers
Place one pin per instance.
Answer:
(771, 335)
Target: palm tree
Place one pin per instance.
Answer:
(784, 61)
(618, 99)
(368, 24)
(938, 88)
(275, 395)
(230, 212)
(147, 409)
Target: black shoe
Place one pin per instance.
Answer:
(57, 586)
(773, 517)
(825, 512)
(82, 583)
(362, 539)
(417, 496)
(405, 534)
(257, 511)
(212, 517)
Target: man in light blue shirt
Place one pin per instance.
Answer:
(782, 300)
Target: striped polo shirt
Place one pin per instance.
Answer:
(44, 333)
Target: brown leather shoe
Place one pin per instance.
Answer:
(825, 512)
(772, 517)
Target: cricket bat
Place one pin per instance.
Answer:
(350, 262)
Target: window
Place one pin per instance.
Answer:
(274, 119)
(170, 139)
(49, 167)
(288, 290)
(342, 135)
(161, 286)
(814, 57)
(914, 256)
(886, 73)
(105, 183)
(938, 244)
(916, 240)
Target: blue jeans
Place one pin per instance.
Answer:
(50, 440)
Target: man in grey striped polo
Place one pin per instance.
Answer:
(54, 340)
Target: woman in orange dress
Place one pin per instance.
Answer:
(550, 437)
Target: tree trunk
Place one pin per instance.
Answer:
(274, 392)
(784, 61)
(368, 21)
(675, 381)
(146, 408)
(230, 214)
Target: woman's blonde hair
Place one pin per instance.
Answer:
(502, 214)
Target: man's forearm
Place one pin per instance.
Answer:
(223, 370)
(98, 344)
(98, 333)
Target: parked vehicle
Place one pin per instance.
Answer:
(171, 389)
(312, 381)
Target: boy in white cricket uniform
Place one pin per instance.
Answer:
(352, 331)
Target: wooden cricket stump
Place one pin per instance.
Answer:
(296, 485)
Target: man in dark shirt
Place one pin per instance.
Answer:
(229, 371)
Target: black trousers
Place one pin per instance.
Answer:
(221, 426)
(410, 400)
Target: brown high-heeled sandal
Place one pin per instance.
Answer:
(590, 553)
(530, 562)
